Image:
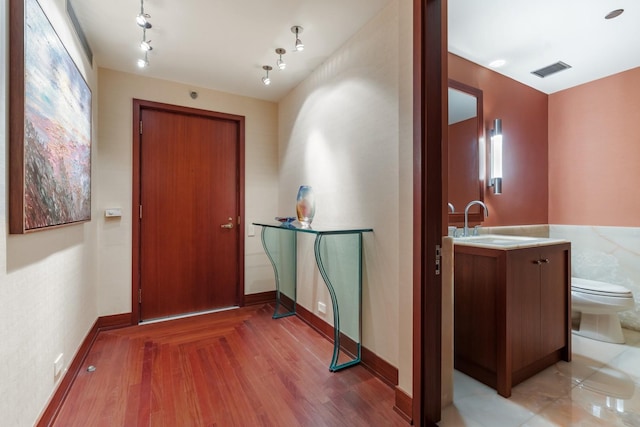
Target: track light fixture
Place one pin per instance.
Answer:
(143, 18)
(297, 30)
(266, 80)
(144, 62)
(145, 45)
(280, 62)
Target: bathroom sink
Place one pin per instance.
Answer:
(503, 241)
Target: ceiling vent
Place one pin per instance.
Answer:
(551, 69)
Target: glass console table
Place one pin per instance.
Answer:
(338, 253)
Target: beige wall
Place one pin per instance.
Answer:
(115, 171)
(347, 132)
(48, 278)
(54, 284)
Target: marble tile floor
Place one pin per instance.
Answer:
(599, 387)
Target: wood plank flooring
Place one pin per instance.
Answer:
(232, 368)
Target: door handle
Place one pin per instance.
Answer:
(228, 225)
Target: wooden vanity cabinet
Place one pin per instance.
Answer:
(512, 312)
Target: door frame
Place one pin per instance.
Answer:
(429, 206)
(138, 106)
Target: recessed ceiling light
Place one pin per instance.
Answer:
(614, 14)
(497, 63)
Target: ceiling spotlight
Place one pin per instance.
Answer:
(266, 80)
(296, 29)
(143, 18)
(280, 62)
(145, 44)
(144, 62)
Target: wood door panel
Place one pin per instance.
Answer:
(188, 189)
(475, 303)
(555, 293)
(524, 322)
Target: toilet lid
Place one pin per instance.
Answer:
(595, 287)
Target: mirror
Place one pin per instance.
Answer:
(466, 131)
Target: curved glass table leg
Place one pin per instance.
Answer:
(280, 247)
(339, 259)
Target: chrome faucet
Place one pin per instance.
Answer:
(465, 230)
(451, 207)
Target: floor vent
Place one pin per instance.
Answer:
(551, 69)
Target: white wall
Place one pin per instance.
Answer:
(347, 132)
(115, 175)
(47, 278)
(607, 254)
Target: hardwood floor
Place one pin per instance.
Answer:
(232, 368)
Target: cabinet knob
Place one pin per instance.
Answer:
(537, 262)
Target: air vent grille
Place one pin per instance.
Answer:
(551, 69)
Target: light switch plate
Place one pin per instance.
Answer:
(112, 212)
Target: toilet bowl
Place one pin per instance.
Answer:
(598, 304)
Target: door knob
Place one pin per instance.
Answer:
(228, 225)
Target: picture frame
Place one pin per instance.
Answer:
(49, 126)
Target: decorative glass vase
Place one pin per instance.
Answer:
(305, 205)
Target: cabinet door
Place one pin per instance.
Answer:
(475, 311)
(554, 291)
(524, 305)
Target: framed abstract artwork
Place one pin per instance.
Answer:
(49, 127)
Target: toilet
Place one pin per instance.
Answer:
(597, 304)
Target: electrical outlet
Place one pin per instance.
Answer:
(58, 364)
(322, 307)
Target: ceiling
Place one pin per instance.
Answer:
(223, 44)
(530, 35)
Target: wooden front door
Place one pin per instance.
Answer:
(189, 203)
